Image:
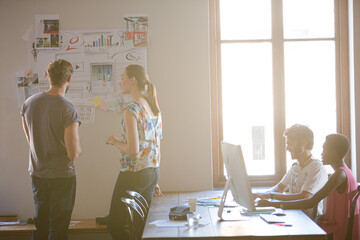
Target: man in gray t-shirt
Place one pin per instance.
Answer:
(51, 125)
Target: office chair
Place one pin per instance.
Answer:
(352, 213)
(136, 218)
(314, 212)
(139, 200)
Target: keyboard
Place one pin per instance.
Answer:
(258, 210)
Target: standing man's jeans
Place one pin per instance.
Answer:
(54, 200)
(143, 182)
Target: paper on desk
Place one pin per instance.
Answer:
(73, 223)
(169, 223)
(9, 223)
(206, 202)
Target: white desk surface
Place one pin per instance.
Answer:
(255, 228)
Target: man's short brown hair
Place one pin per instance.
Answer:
(300, 132)
(59, 72)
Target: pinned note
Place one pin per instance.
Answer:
(97, 101)
(112, 106)
(104, 105)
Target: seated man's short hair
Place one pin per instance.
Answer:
(300, 132)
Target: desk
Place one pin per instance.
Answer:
(83, 229)
(303, 227)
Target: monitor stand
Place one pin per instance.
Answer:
(223, 198)
(229, 215)
(237, 214)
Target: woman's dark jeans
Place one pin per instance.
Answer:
(143, 182)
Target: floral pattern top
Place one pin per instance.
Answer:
(150, 133)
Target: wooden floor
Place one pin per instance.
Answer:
(86, 229)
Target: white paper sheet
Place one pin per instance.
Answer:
(47, 31)
(9, 223)
(170, 223)
(137, 29)
(86, 111)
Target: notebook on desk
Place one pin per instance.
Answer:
(270, 218)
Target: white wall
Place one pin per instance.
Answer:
(178, 64)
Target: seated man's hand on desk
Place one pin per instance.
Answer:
(262, 195)
(264, 203)
(269, 203)
(270, 193)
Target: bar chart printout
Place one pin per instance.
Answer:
(98, 40)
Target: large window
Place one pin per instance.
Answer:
(277, 64)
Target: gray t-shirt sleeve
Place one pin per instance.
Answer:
(71, 115)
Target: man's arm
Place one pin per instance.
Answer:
(338, 178)
(26, 130)
(315, 180)
(72, 141)
(310, 186)
(291, 196)
(278, 189)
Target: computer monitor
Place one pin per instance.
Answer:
(237, 177)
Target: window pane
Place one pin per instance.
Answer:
(245, 19)
(248, 103)
(308, 18)
(310, 88)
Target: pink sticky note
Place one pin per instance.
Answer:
(104, 105)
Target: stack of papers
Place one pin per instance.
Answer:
(269, 218)
(214, 202)
(258, 210)
(5, 223)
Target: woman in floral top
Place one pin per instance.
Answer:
(139, 146)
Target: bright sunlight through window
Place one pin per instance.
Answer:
(249, 83)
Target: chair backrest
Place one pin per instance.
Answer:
(136, 218)
(314, 212)
(140, 200)
(352, 213)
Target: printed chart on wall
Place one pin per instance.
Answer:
(98, 58)
(137, 30)
(47, 31)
